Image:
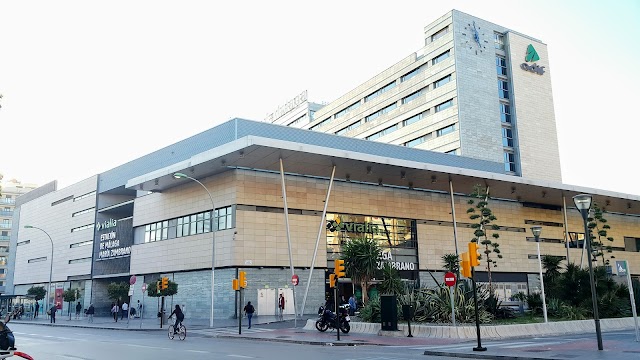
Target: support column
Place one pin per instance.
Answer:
(566, 225)
(453, 217)
(315, 251)
(286, 222)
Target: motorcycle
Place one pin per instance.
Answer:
(328, 320)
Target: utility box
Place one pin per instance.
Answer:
(389, 312)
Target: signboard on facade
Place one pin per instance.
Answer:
(621, 267)
(112, 246)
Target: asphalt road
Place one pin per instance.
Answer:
(58, 343)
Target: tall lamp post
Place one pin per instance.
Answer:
(583, 204)
(51, 265)
(536, 230)
(179, 175)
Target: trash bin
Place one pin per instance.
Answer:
(389, 312)
(407, 312)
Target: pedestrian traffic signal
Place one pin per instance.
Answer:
(339, 269)
(466, 266)
(242, 279)
(235, 285)
(158, 287)
(473, 254)
(165, 283)
(332, 280)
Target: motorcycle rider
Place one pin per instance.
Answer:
(7, 340)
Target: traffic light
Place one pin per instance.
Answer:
(339, 269)
(242, 279)
(332, 280)
(473, 254)
(165, 283)
(235, 285)
(466, 265)
(158, 287)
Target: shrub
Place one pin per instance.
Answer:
(371, 311)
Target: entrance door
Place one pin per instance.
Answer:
(266, 302)
(288, 300)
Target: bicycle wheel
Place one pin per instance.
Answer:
(182, 332)
(171, 334)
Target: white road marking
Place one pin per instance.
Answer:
(198, 351)
(240, 356)
(147, 346)
(532, 344)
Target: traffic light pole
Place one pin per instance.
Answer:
(336, 293)
(475, 300)
(240, 308)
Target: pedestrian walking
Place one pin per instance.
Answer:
(138, 309)
(90, 311)
(352, 305)
(78, 309)
(281, 307)
(52, 313)
(35, 314)
(115, 309)
(249, 310)
(125, 310)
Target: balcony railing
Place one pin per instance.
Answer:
(7, 201)
(6, 213)
(5, 226)
(5, 237)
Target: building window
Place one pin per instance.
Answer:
(156, 231)
(446, 130)
(81, 260)
(440, 57)
(439, 34)
(349, 128)
(383, 132)
(3, 260)
(498, 39)
(84, 227)
(6, 224)
(414, 95)
(321, 123)
(347, 109)
(442, 81)
(411, 73)
(381, 112)
(380, 91)
(507, 137)
(415, 118)
(453, 152)
(505, 113)
(23, 243)
(509, 162)
(190, 225)
(501, 65)
(82, 212)
(417, 141)
(445, 105)
(225, 218)
(82, 243)
(631, 244)
(78, 198)
(503, 89)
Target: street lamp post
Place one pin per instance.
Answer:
(536, 230)
(51, 265)
(583, 204)
(179, 175)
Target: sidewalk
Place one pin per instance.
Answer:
(146, 324)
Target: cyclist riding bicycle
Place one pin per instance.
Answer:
(179, 317)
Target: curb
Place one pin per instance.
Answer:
(85, 326)
(291, 341)
(479, 356)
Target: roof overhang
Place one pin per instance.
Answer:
(262, 153)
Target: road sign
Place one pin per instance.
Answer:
(621, 266)
(449, 279)
(295, 280)
(144, 287)
(132, 280)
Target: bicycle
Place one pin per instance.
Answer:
(182, 331)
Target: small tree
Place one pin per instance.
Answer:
(71, 295)
(451, 262)
(361, 257)
(598, 234)
(484, 217)
(38, 292)
(391, 283)
(152, 290)
(118, 291)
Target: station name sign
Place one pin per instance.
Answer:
(532, 56)
(352, 227)
(386, 257)
(290, 105)
(110, 246)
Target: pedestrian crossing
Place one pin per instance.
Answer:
(492, 344)
(228, 331)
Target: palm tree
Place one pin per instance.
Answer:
(361, 256)
(451, 262)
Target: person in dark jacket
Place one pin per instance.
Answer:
(249, 310)
(90, 311)
(52, 314)
(179, 317)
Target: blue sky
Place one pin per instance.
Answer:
(90, 85)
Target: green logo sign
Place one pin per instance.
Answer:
(532, 54)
